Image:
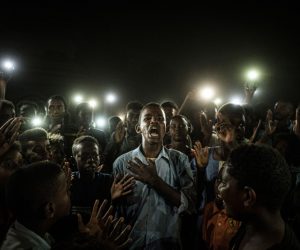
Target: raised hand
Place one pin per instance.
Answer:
(270, 124)
(143, 172)
(107, 229)
(122, 186)
(255, 130)
(200, 154)
(9, 133)
(98, 219)
(249, 92)
(116, 234)
(206, 126)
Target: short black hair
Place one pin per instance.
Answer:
(59, 98)
(30, 187)
(151, 104)
(26, 102)
(82, 106)
(82, 139)
(34, 134)
(233, 111)
(263, 169)
(135, 105)
(169, 104)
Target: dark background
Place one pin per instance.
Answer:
(150, 52)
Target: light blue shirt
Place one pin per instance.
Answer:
(152, 217)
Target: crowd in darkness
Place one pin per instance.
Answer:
(167, 176)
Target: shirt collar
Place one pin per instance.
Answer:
(164, 153)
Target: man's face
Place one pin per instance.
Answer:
(37, 151)
(56, 109)
(27, 111)
(169, 112)
(178, 129)
(153, 125)
(226, 126)
(85, 117)
(87, 159)
(61, 198)
(231, 194)
(132, 118)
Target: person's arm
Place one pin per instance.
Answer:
(190, 95)
(270, 128)
(249, 93)
(3, 84)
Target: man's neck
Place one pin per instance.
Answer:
(151, 150)
(266, 229)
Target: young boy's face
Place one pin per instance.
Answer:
(179, 129)
(87, 159)
(231, 194)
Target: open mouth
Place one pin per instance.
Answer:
(153, 132)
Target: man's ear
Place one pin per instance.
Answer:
(49, 210)
(250, 197)
(138, 129)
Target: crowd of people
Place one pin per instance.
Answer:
(166, 177)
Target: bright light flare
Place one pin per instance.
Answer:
(252, 75)
(207, 93)
(236, 100)
(111, 98)
(8, 65)
(93, 103)
(36, 121)
(101, 122)
(78, 99)
(218, 101)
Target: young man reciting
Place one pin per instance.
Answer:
(164, 187)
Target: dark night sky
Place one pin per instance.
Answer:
(150, 52)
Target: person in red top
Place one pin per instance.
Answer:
(218, 229)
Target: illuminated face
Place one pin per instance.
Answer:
(231, 194)
(231, 128)
(152, 125)
(179, 129)
(37, 151)
(169, 112)
(87, 159)
(56, 109)
(132, 118)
